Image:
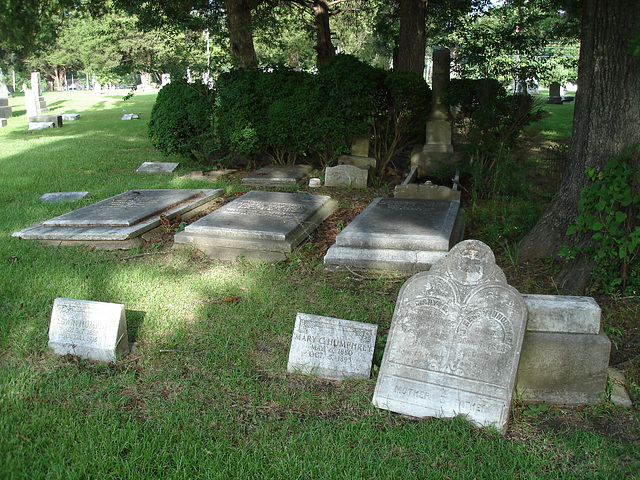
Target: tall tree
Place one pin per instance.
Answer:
(606, 121)
(412, 38)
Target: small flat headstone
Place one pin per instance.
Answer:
(331, 348)
(259, 225)
(157, 167)
(348, 176)
(455, 341)
(33, 126)
(278, 175)
(90, 330)
(70, 116)
(56, 119)
(130, 116)
(55, 197)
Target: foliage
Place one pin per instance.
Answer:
(610, 218)
(182, 120)
(491, 121)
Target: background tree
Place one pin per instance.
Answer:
(606, 120)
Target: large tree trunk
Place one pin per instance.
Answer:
(606, 121)
(324, 47)
(243, 53)
(412, 38)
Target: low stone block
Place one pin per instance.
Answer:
(39, 125)
(91, 330)
(565, 368)
(157, 167)
(70, 116)
(3, 122)
(130, 116)
(360, 147)
(56, 119)
(331, 348)
(278, 176)
(562, 314)
(347, 176)
(356, 161)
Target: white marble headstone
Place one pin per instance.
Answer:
(455, 341)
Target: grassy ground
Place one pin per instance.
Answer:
(205, 392)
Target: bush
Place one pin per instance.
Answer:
(182, 120)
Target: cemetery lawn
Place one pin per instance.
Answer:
(205, 392)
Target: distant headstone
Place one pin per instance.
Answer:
(97, 88)
(70, 116)
(455, 340)
(357, 161)
(426, 190)
(90, 330)
(33, 126)
(347, 176)
(259, 225)
(157, 167)
(130, 116)
(36, 88)
(30, 103)
(56, 197)
(3, 122)
(210, 176)
(554, 94)
(165, 79)
(5, 109)
(118, 222)
(360, 147)
(331, 348)
(278, 176)
(396, 234)
(55, 119)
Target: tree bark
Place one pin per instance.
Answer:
(324, 47)
(606, 120)
(243, 53)
(412, 38)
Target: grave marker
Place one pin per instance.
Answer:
(455, 341)
(157, 167)
(278, 176)
(331, 348)
(91, 330)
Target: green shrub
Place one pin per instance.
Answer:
(610, 218)
(182, 120)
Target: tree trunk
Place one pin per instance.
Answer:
(412, 38)
(606, 120)
(324, 47)
(243, 53)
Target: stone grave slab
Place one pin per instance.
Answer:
(66, 117)
(3, 122)
(278, 176)
(398, 234)
(454, 342)
(34, 126)
(91, 330)
(210, 176)
(130, 116)
(331, 348)
(157, 167)
(118, 222)
(426, 190)
(347, 176)
(356, 161)
(55, 197)
(55, 119)
(259, 225)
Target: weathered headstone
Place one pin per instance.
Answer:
(360, 146)
(165, 79)
(3, 122)
(55, 197)
(348, 176)
(36, 88)
(90, 330)
(357, 161)
(554, 94)
(426, 190)
(263, 226)
(130, 116)
(70, 116)
(396, 234)
(455, 340)
(278, 176)
(331, 348)
(33, 126)
(210, 176)
(119, 221)
(157, 167)
(55, 119)
(5, 108)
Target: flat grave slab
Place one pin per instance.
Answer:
(259, 225)
(130, 116)
(210, 176)
(91, 330)
(33, 126)
(118, 222)
(331, 348)
(55, 197)
(157, 167)
(55, 119)
(278, 176)
(67, 117)
(398, 234)
(455, 341)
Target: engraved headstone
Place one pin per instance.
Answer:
(278, 176)
(118, 222)
(262, 226)
(331, 348)
(398, 234)
(157, 167)
(455, 340)
(91, 330)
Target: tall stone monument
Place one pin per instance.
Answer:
(5, 109)
(438, 148)
(455, 341)
(36, 86)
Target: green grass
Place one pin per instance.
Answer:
(205, 392)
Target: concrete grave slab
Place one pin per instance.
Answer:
(278, 176)
(259, 225)
(130, 116)
(455, 340)
(210, 176)
(55, 197)
(91, 330)
(347, 176)
(67, 117)
(398, 234)
(157, 167)
(563, 314)
(55, 119)
(34, 126)
(118, 222)
(331, 348)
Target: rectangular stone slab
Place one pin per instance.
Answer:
(562, 314)
(259, 221)
(331, 348)
(92, 330)
(402, 224)
(157, 167)
(277, 175)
